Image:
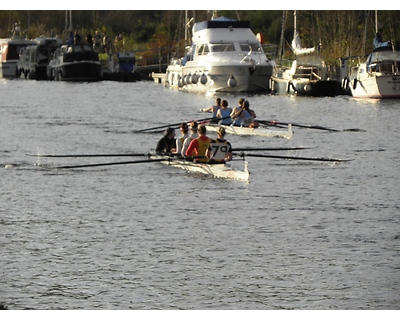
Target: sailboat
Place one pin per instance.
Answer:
(308, 74)
(378, 77)
(224, 56)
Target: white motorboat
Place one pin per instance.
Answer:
(246, 131)
(225, 56)
(220, 171)
(307, 76)
(9, 52)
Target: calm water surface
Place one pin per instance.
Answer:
(301, 235)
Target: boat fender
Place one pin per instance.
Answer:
(203, 79)
(307, 87)
(345, 83)
(195, 78)
(180, 82)
(184, 80)
(355, 84)
(232, 82)
(189, 79)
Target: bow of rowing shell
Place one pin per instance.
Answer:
(220, 171)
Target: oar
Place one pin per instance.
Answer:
(276, 123)
(177, 124)
(106, 164)
(269, 149)
(100, 155)
(289, 157)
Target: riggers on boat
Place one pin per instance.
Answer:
(220, 171)
(246, 131)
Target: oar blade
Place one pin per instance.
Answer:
(293, 157)
(271, 149)
(104, 164)
(100, 155)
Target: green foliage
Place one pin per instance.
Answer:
(335, 33)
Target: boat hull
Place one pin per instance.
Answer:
(376, 86)
(223, 78)
(79, 71)
(219, 171)
(304, 87)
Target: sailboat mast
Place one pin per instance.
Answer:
(281, 43)
(295, 21)
(376, 21)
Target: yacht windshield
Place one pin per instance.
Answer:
(382, 56)
(250, 47)
(222, 47)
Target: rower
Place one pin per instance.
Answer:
(167, 144)
(214, 109)
(245, 116)
(199, 146)
(184, 128)
(219, 150)
(188, 140)
(236, 122)
(224, 113)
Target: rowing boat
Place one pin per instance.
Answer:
(246, 131)
(220, 171)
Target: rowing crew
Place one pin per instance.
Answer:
(241, 116)
(196, 146)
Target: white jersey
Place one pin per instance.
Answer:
(186, 143)
(219, 149)
(179, 142)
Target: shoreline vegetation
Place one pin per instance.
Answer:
(159, 35)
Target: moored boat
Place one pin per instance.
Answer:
(379, 76)
(78, 62)
(220, 171)
(246, 131)
(9, 52)
(225, 56)
(308, 74)
(33, 59)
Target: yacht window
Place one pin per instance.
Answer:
(223, 47)
(249, 47)
(200, 50)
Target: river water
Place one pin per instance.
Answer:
(301, 235)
